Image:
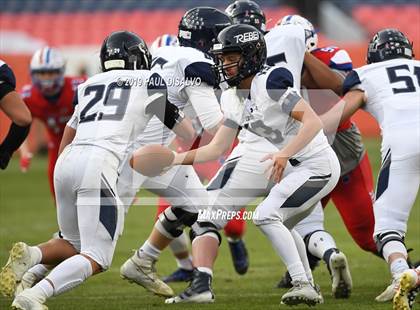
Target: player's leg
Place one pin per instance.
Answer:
(183, 190)
(99, 220)
(288, 203)
(179, 248)
(234, 231)
(357, 212)
(398, 184)
(321, 245)
(245, 182)
(23, 257)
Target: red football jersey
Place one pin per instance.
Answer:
(334, 57)
(54, 114)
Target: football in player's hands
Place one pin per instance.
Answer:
(152, 160)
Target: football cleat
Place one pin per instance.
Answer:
(143, 272)
(179, 275)
(408, 288)
(389, 293)
(199, 290)
(340, 275)
(301, 293)
(28, 280)
(27, 301)
(11, 274)
(239, 256)
(286, 281)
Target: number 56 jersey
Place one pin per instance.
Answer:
(111, 108)
(392, 96)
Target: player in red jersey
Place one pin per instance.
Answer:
(50, 100)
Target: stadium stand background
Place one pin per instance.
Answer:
(78, 28)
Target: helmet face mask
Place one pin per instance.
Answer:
(124, 50)
(47, 71)
(389, 44)
(243, 40)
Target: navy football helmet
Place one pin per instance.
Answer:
(247, 12)
(124, 50)
(249, 42)
(200, 26)
(389, 44)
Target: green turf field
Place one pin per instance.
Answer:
(27, 213)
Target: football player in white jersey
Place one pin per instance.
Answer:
(388, 88)
(109, 113)
(286, 47)
(302, 159)
(189, 75)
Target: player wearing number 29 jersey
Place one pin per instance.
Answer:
(90, 216)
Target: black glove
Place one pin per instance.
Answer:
(15, 137)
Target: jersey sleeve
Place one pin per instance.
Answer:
(157, 102)
(341, 61)
(279, 86)
(74, 119)
(200, 72)
(233, 108)
(352, 81)
(7, 80)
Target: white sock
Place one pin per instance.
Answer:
(66, 276)
(36, 255)
(300, 245)
(185, 263)
(180, 244)
(319, 242)
(398, 266)
(392, 247)
(206, 270)
(40, 271)
(285, 246)
(149, 249)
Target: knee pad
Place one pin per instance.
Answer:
(383, 238)
(202, 228)
(172, 221)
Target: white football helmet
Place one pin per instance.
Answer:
(163, 40)
(311, 38)
(47, 60)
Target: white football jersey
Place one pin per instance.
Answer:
(110, 109)
(182, 68)
(392, 95)
(285, 48)
(266, 111)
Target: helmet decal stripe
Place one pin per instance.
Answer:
(168, 40)
(47, 57)
(288, 18)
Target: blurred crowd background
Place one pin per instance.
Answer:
(78, 28)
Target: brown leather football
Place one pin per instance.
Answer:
(151, 160)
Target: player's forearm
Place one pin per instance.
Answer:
(322, 75)
(342, 110)
(184, 129)
(307, 132)
(14, 107)
(205, 153)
